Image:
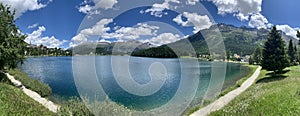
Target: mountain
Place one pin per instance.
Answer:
(237, 40)
(104, 48)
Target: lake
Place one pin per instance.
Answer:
(139, 83)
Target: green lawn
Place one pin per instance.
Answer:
(271, 95)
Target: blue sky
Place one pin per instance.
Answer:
(64, 23)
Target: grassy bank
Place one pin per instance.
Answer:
(43, 89)
(14, 102)
(271, 95)
(252, 69)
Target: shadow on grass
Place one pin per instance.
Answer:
(270, 77)
(4, 79)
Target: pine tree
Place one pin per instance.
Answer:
(298, 35)
(291, 51)
(12, 45)
(298, 54)
(274, 54)
(257, 56)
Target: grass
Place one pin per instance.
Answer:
(14, 102)
(273, 94)
(205, 102)
(252, 69)
(43, 89)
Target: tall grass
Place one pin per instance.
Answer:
(41, 88)
(274, 96)
(14, 102)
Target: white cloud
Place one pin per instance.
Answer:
(240, 8)
(33, 26)
(136, 32)
(22, 6)
(193, 19)
(36, 38)
(157, 9)
(192, 2)
(98, 29)
(244, 10)
(288, 30)
(101, 30)
(258, 21)
(163, 38)
(105, 4)
(87, 8)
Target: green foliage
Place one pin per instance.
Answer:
(12, 43)
(298, 35)
(291, 52)
(74, 107)
(43, 89)
(257, 55)
(267, 98)
(77, 107)
(274, 54)
(159, 52)
(14, 102)
(41, 50)
(298, 54)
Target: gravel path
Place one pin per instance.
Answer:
(48, 104)
(222, 101)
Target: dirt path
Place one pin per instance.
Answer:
(48, 104)
(222, 101)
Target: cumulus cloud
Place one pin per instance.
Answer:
(36, 38)
(240, 8)
(136, 32)
(244, 10)
(288, 30)
(22, 6)
(258, 21)
(92, 7)
(98, 29)
(193, 19)
(157, 8)
(163, 38)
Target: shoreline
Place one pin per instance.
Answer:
(224, 100)
(34, 95)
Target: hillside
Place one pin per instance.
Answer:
(237, 40)
(104, 48)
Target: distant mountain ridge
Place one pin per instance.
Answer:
(237, 40)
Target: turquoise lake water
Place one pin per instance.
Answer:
(58, 73)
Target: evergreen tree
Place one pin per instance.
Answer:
(291, 51)
(257, 56)
(251, 61)
(296, 53)
(12, 45)
(274, 54)
(298, 35)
